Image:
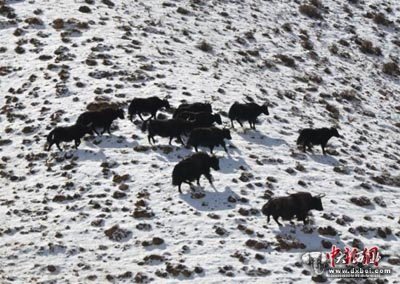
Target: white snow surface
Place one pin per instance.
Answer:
(151, 49)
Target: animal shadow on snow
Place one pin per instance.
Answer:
(313, 240)
(258, 138)
(324, 159)
(87, 154)
(212, 201)
(153, 247)
(229, 164)
(171, 153)
(112, 141)
(83, 154)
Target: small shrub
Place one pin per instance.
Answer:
(205, 46)
(310, 11)
(391, 68)
(367, 47)
(307, 44)
(33, 21)
(380, 19)
(286, 60)
(84, 9)
(58, 24)
(333, 49)
(287, 27)
(316, 3)
(183, 11)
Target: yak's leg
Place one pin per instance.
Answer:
(304, 147)
(223, 145)
(190, 184)
(302, 217)
(211, 149)
(153, 114)
(268, 218)
(323, 145)
(49, 147)
(232, 124)
(77, 143)
(195, 147)
(95, 131)
(209, 177)
(179, 188)
(170, 140)
(149, 138)
(198, 181)
(276, 220)
(241, 124)
(109, 128)
(254, 125)
(58, 146)
(180, 140)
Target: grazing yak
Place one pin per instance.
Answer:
(194, 107)
(100, 119)
(246, 112)
(296, 204)
(67, 134)
(166, 128)
(192, 168)
(209, 137)
(201, 119)
(146, 105)
(320, 136)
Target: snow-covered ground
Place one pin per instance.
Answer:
(56, 58)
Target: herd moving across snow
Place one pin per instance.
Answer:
(196, 120)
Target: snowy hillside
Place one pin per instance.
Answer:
(317, 64)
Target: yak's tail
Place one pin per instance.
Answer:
(267, 208)
(231, 112)
(300, 140)
(50, 136)
(175, 179)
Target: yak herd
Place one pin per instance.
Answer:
(196, 120)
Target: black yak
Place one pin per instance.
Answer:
(67, 134)
(201, 119)
(100, 119)
(193, 107)
(320, 136)
(209, 137)
(166, 128)
(296, 204)
(191, 169)
(246, 112)
(146, 105)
